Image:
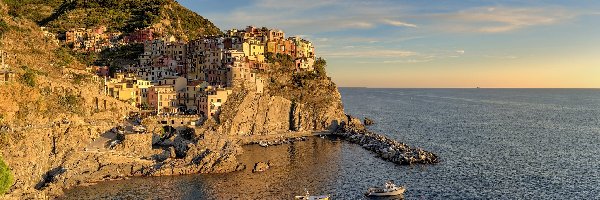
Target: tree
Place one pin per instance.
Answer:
(320, 65)
(29, 78)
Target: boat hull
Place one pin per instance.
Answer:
(397, 192)
(324, 197)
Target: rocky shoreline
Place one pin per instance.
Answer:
(384, 147)
(279, 141)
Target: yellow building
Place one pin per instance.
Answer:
(304, 48)
(143, 87)
(210, 102)
(254, 50)
(124, 91)
(163, 99)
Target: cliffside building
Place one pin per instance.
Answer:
(196, 76)
(6, 75)
(163, 99)
(210, 102)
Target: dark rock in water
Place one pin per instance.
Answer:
(172, 152)
(368, 121)
(261, 166)
(384, 147)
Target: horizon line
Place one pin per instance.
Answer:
(365, 87)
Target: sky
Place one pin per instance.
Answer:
(435, 44)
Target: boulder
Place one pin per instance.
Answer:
(368, 121)
(172, 152)
(261, 167)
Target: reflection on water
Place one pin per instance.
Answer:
(321, 166)
(494, 144)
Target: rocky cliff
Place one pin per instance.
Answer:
(167, 16)
(54, 115)
(54, 118)
(292, 101)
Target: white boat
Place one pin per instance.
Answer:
(390, 189)
(263, 144)
(308, 197)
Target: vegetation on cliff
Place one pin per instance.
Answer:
(313, 87)
(35, 10)
(166, 16)
(117, 15)
(53, 110)
(6, 177)
(292, 100)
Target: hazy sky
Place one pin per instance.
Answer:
(394, 43)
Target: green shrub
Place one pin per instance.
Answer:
(6, 177)
(64, 56)
(71, 102)
(29, 78)
(78, 79)
(320, 65)
(3, 27)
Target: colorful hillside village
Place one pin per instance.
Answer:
(195, 77)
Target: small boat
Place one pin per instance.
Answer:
(390, 189)
(263, 144)
(307, 196)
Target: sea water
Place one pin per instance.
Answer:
(493, 144)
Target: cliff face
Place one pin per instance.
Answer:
(291, 101)
(49, 114)
(53, 113)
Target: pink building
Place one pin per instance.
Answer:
(102, 70)
(140, 36)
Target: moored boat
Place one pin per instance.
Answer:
(307, 196)
(390, 189)
(263, 144)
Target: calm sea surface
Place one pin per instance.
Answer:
(494, 144)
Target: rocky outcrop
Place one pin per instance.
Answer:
(137, 144)
(368, 121)
(279, 141)
(386, 148)
(219, 156)
(315, 105)
(261, 114)
(51, 159)
(256, 114)
(261, 167)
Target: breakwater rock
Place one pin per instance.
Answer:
(368, 121)
(279, 141)
(386, 148)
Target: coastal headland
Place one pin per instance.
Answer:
(90, 100)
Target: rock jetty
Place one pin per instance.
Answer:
(279, 141)
(386, 148)
(368, 121)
